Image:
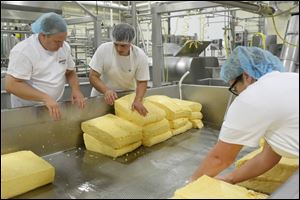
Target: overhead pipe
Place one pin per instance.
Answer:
(260, 9)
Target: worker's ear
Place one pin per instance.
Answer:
(247, 78)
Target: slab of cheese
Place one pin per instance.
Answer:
(95, 145)
(156, 128)
(148, 142)
(182, 129)
(123, 109)
(279, 173)
(267, 187)
(209, 188)
(196, 115)
(112, 130)
(173, 111)
(197, 123)
(194, 106)
(23, 171)
(177, 123)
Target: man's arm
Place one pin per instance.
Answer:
(220, 157)
(262, 162)
(138, 101)
(109, 95)
(21, 89)
(77, 96)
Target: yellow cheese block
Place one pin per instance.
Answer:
(112, 130)
(95, 145)
(209, 188)
(279, 173)
(157, 139)
(23, 171)
(262, 142)
(194, 106)
(197, 123)
(267, 187)
(177, 123)
(123, 110)
(156, 128)
(196, 115)
(173, 111)
(182, 129)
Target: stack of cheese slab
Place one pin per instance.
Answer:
(111, 135)
(195, 109)
(177, 115)
(23, 171)
(209, 188)
(272, 179)
(154, 125)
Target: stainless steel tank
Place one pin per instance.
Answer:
(290, 54)
(199, 67)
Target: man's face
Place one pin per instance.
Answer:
(53, 42)
(123, 48)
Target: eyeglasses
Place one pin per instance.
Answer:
(232, 88)
(123, 45)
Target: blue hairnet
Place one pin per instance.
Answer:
(123, 33)
(253, 60)
(49, 23)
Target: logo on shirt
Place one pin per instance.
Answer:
(62, 61)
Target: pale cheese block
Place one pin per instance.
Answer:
(279, 173)
(112, 130)
(197, 123)
(123, 109)
(148, 142)
(23, 171)
(173, 111)
(194, 106)
(196, 115)
(182, 129)
(267, 187)
(92, 144)
(177, 123)
(209, 188)
(156, 128)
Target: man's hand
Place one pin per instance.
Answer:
(139, 107)
(78, 98)
(110, 96)
(53, 108)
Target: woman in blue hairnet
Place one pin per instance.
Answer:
(40, 65)
(119, 66)
(266, 106)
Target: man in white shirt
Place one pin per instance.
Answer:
(266, 106)
(40, 65)
(119, 66)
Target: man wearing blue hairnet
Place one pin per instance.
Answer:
(40, 65)
(120, 66)
(266, 106)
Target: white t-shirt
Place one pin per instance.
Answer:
(120, 72)
(42, 69)
(268, 108)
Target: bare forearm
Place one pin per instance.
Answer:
(25, 91)
(262, 162)
(72, 80)
(141, 90)
(211, 166)
(98, 84)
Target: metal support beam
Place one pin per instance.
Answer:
(80, 20)
(157, 49)
(134, 22)
(175, 7)
(97, 32)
